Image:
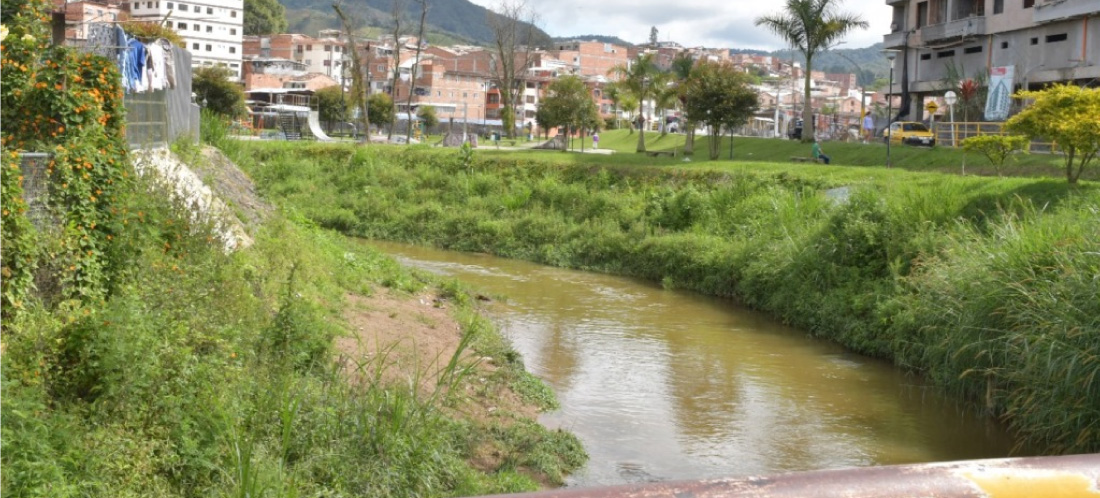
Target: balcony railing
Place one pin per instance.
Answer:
(1055, 10)
(971, 26)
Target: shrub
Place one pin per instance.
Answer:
(996, 148)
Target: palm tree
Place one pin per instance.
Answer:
(665, 96)
(636, 78)
(811, 26)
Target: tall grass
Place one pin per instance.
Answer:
(212, 374)
(987, 286)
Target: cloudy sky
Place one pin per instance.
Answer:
(710, 23)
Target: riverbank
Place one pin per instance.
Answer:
(984, 285)
(305, 365)
(872, 155)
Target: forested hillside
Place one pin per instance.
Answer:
(458, 19)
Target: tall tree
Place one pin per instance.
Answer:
(413, 73)
(636, 77)
(513, 32)
(360, 89)
(653, 36)
(397, 12)
(811, 26)
(666, 95)
(264, 17)
(569, 104)
(682, 67)
(719, 96)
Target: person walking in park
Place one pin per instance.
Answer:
(595, 140)
(818, 154)
(868, 128)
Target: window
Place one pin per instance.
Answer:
(210, 10)
(209, 48)
(945, 54)
(209, 29)
(195, 27)
(925, 57)
(328, 48)
(195, 46)
(299, 49)
(1056, 38)
(998, 6)
(232, 50)
(309, 47)
(148, 5)
(327, 63)
(171, 5)
(232, 13)
(183, 7)
(1004, 45)
(977, 49)
(922, 14)
(464, 95)
(234, 64)
(1029, 4)
(1035, 41)
(137, 5)
(181, 25)
(232, 31)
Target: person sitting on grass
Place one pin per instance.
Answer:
(818, 154)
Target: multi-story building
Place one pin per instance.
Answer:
(321, 55)
(212, 29)
(1045, 41)
(589, 58)
(82, 13)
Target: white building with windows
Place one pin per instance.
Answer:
(212, 29)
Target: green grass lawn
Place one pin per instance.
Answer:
(751, 149)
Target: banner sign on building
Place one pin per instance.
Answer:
(999, 100)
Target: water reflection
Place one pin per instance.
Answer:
(667, 385)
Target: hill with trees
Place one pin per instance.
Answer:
(459, 21)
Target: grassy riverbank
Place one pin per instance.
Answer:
(939, 159)
(202, 373)
(986, 285)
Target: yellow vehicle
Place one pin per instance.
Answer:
(909, 132)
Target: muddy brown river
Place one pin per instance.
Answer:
(672, 385)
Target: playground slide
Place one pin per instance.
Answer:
(315, 127)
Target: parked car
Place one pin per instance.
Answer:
(910, 133)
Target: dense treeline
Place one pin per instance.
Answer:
(987, 286)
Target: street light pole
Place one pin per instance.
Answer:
(890, 56)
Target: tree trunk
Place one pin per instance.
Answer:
(689, 142)
(416, 64)
(361, 100)
(808, 108)
(398, 12)
(641, 130)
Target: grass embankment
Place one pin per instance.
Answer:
(938, 159)
(202, 373)
(988, 286)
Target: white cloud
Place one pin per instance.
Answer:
(710, 23)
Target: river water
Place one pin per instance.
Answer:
(672, 385)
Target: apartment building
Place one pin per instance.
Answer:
(212, 29)
(321, 55)
(1045, 41)
(455, 95)
(589, 58)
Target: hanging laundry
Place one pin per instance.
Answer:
(155, 77)
(169, 61)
